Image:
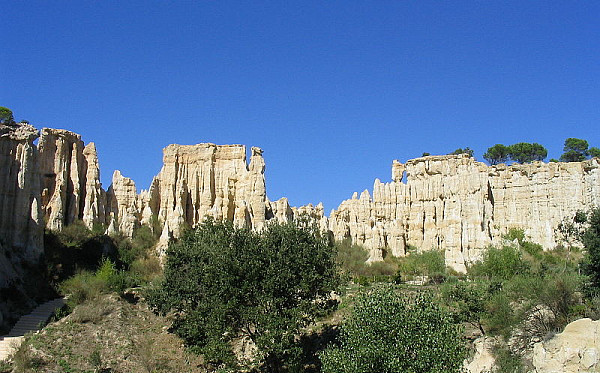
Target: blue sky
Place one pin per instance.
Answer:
(333, 91)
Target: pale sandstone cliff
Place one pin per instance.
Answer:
(458, 205)
(450, 203)
(71, 188)
(21, 223)
(203, 180)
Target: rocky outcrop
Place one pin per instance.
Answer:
(208, 180)
(71, 180)
(21, 223)
(458, 205)
(123, 204)
(576, 349)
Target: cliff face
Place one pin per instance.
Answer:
(450, 203)
(456, 204)
(21, 223)
(208, 180)
(70, 180)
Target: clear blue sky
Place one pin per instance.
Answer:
(333, 91)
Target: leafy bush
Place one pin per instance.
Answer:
(468, 301)
(225, 283)
(591, 242)
(388, 332)
(426, 263)
(82, 287)
(500, 264)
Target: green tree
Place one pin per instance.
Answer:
(594, 152)
(497, 154)
(591, 242)
(466, 150)
(389, 332)
(525, 152)
(575, 150)
(225, 283)
(6, 116)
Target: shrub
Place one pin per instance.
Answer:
(467, 300)
(388, 332)
(591, 242)
(426, 263)
(500, 264)
(225, 283)
(83, 287)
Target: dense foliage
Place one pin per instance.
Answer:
(226, 283)
(6, 116)
(497, 154)
(591, 242)
(525, 152)
(466, 150)
(389, 332)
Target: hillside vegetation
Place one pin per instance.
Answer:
(247, 301)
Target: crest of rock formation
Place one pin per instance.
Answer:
(456, 204)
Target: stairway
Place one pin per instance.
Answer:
(26, 324)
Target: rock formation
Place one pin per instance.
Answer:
(576, 349)
(456, 204)
(208, 180)
(71, 180)
(450, 203)
(123, 204)
(21, 223)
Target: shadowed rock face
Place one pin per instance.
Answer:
(21, 223)
(456, 204)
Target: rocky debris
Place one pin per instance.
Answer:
(458, 205)
(576, 349)
(483, 360)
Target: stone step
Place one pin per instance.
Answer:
(26, 324)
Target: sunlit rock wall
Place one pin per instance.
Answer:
(458, 205)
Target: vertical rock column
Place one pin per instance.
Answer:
(63, 170)
(21, 223)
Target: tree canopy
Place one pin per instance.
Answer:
(389, 332)
(225, 283)
(6, 116)
(525, 152)
(466, 150)
(575, 150)
(497, 154)
(591, 242)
